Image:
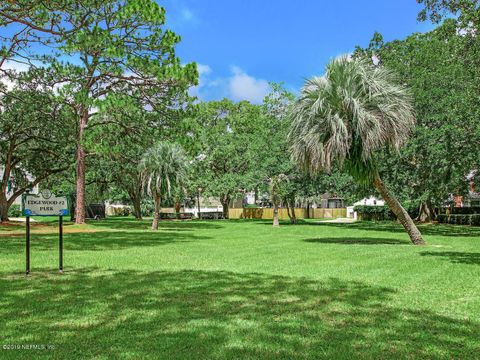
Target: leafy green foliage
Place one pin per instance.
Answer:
(368, 212)
(441, 68)
(468, 11)
(36, 137)
(103, 54)
(229, 139)
(15, 210)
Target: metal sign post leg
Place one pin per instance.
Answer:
(27, 248)
(60, 243)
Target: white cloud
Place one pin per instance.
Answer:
(203, 69)
(245, 87)
(11, 65)
(238, 86)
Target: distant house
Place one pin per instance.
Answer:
(331, 201)
(370, 201)
(473, 197)
(326, 201)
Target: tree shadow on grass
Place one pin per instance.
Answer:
(357, 241)
(456, 257)
(102, 240)
(425, 229)
(94, 313)
(126, 223)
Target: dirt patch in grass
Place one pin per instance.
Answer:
(49, 230)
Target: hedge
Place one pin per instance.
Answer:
(466, 210)
(169, 216)
(371, 212)
(459, 219)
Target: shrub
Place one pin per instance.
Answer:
(412, 207)
(466, 210)
(147, 207)
(459, 219)
(127, 211)
(369, 212)
(15, 211)
(475, 219)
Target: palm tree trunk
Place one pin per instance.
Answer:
(275, 215)
(399, 211)
(156, 215)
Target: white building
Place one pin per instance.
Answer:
(370, 201)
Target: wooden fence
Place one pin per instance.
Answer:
(267, 213)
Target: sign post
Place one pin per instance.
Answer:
(60, 243)
(45, 204)
(27, 260)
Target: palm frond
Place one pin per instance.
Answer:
(163, 167)
(347, 115)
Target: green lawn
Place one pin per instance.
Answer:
(241, 289)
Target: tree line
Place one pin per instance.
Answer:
(90, 90)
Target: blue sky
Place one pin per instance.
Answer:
(241, 45)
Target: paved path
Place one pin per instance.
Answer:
(19, 219)
(339, 221)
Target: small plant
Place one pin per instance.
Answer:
(15, 211)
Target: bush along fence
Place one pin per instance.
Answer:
(300, 213)
(473, 210)
(370, 212)
(459, 219)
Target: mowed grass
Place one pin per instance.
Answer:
(240, 289)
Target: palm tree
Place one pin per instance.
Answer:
(163, 167)
(345, 117)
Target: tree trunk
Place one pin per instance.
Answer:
(287, 205)
(225, 210)
(81, 155)
(426, 212)
(137, 209)
(178, 207)
(432, 210)
(275, 215)
(199, 215)
(4, 206)
(293, 218)
(225, 200)
(399, 211)
(156, 215)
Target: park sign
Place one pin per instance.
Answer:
(45, 204)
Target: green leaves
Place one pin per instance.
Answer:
(441, 68)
